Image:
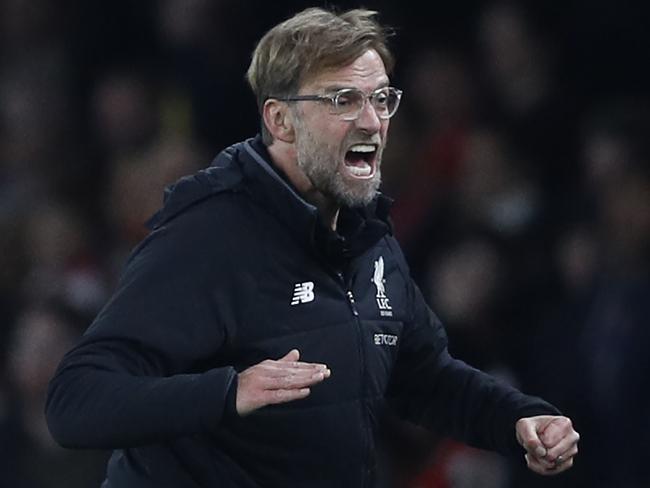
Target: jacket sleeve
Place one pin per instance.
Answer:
(136, 377)
(432, 389)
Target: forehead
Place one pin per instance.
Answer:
(366, 72)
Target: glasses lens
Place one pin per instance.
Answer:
(348, 102)
(386, 101)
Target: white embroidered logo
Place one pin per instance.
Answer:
(385, 340)
(303, 293)
(385, 310)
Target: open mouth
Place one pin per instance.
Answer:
(360, 160)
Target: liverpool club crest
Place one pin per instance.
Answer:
(383, 303)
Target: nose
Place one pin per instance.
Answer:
(368, 120)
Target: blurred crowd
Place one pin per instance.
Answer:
(519, 162)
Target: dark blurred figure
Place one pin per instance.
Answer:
(62, 263)
(465, 283)
(29, 458)
(615, 340)
(206, 45)
(125, 112)
(135, 186)
(440, 118)
(601, 308)
(527, 96)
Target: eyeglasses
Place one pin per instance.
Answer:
(349, 102)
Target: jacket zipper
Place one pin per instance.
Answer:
(364, 407)
(351, 302)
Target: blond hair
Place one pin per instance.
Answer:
(308, 43)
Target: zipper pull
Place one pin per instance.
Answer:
(352, 303)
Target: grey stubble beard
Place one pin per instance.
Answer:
(315, 160)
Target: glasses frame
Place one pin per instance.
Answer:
(333, 99)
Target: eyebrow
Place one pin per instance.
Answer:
(334, 88)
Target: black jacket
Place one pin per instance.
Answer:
(238, 268)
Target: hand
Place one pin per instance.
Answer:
(280, 381)
(550, 442)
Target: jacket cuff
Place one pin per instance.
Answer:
(230, 409)
(221, 390)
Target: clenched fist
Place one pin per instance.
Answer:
(550, 442)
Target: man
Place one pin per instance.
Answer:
(282, 249)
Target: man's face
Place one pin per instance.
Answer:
(342, 158)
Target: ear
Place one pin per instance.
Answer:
(278, 120)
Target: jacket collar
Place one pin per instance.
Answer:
(358, 228)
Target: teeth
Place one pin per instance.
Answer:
(364, 148)
(363, 170)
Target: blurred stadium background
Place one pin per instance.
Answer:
(519, 161)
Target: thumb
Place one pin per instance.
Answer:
(529, 438)
(293, 355)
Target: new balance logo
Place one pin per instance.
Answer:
(303, 293)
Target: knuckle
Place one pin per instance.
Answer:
(526, 438)
(531, 445)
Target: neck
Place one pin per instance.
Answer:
(284, 157)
